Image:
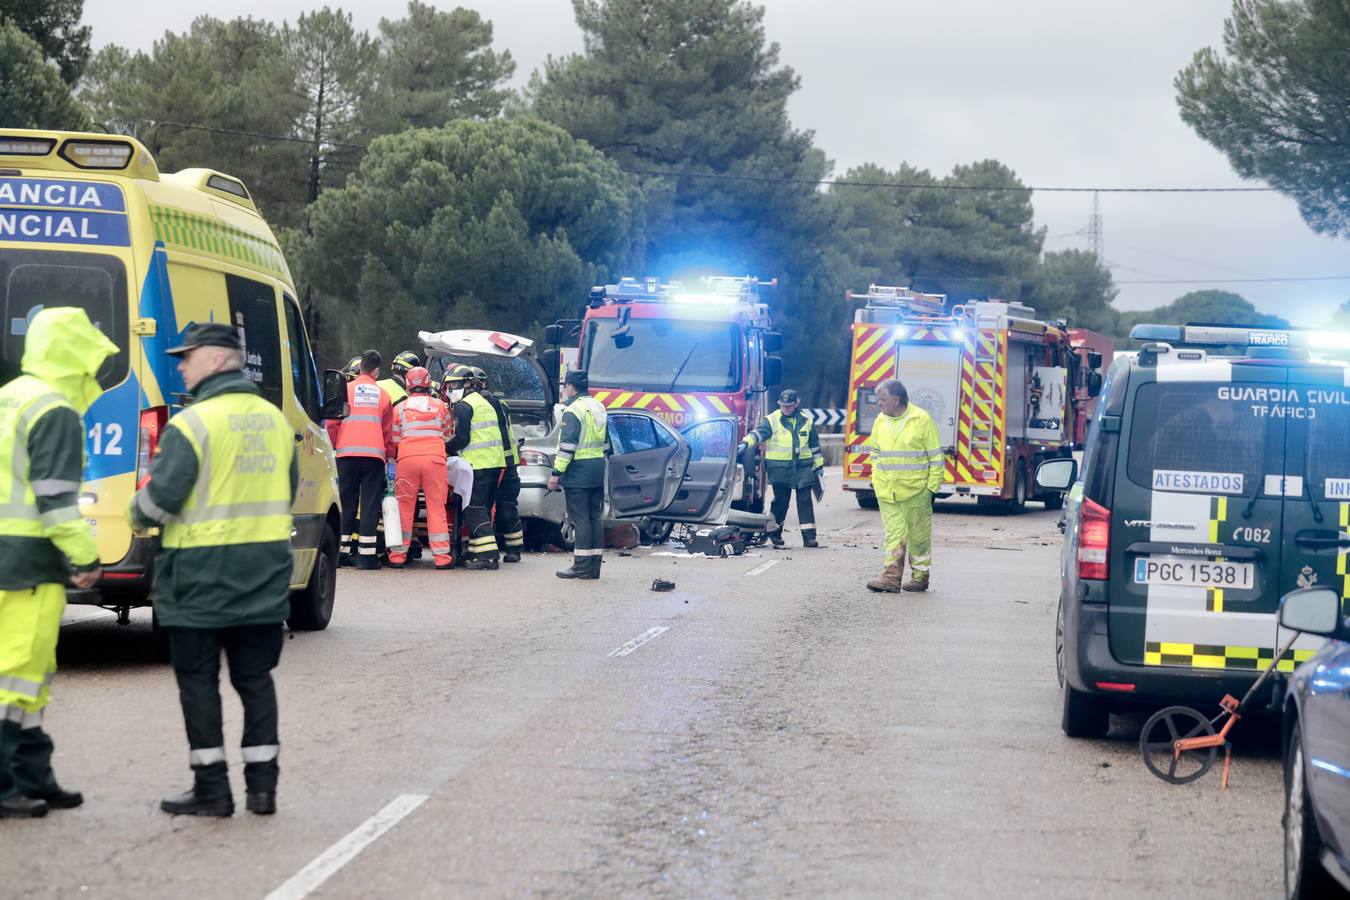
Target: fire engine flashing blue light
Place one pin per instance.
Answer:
(705, 298)
(899, 334)
(959, 334)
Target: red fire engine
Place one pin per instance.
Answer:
(686, 354)
(1093, 353)
(995, 379)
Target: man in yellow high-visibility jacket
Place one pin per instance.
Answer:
(45, 543)
(907, 470)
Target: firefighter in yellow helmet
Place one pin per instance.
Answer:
(44, 541)
(396, 385)
(477, 441)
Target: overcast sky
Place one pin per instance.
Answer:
(1066, 92)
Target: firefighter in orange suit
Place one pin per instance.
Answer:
(423, 425)
(364, 443)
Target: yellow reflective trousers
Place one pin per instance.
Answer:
(909, 526)
(30, 620)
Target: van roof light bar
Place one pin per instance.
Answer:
(1241, 336)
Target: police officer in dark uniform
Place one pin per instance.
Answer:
(579, 469)
(220, 490)
(793, 461)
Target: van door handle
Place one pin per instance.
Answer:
(1321, 541)
(631, 470)
(299, 437)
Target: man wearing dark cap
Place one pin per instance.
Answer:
(579, 469)
(794, 462)
(220, 490)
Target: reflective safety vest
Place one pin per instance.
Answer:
(594, 427)
(778, 448)
(23, 402)
(484, 450)
(361, 433)
(906, 455)
(422, 425)
(393, 389)
(244, 447)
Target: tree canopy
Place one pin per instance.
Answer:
(1204, 307)
(501, 223)
(33, 94)
(55, 26)
(1275, 101)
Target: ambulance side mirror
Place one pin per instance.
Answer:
(334, 395)
(773, 341)
(773, 371)
(1094, 383)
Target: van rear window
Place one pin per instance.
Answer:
(33, 279)
(1181, 430)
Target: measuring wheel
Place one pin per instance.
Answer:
(1163, 728)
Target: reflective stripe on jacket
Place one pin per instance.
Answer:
(484, 449)
(242, 495)
(368, 428)
(906, 455)
(422, 425)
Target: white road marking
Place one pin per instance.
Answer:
(638, 641)
(762, 568)
(324, 866)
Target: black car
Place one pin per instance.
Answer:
(1317, 751)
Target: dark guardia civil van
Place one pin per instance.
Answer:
(1216, 479)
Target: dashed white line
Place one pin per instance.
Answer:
(638, 641)
(324, 866)
(762, 568)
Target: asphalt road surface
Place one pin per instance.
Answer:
(769, 728)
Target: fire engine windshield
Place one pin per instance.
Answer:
(663, 355)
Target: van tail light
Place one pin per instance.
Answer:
(152, 424)
(1094, 541)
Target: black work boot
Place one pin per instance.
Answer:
(60, 798)
(511, 556)
(262, 803)
(593, 564)
(480, 563)
(579, 569)
(190, 803)
(809, 538)
(776, 537)
(367, 563)
(21, 807)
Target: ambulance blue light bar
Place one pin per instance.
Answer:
(1240, 336)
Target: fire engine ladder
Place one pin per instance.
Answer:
(986, 386)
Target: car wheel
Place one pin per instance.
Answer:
(867, 500)
(653, 532)
(1018, 502)
(312, 608)
(1084, 716)
(1304, 875)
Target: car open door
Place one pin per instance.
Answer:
(706, 489)
(648, 465)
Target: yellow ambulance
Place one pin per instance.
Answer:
(88, 220)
